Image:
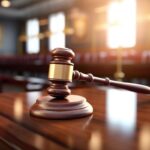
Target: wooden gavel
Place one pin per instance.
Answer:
(71, 106)
(61, 72)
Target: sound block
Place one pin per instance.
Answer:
(73, 106)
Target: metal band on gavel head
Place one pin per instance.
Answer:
(60, 67)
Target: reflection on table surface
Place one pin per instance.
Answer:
(121, 110)
(120, 121)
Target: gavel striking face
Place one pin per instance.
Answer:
(61, 72)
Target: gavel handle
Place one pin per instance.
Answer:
(106, 81)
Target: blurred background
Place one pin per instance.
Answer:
(111, 38)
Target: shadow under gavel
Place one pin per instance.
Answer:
(59, 103)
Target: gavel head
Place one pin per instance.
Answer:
(60, 72)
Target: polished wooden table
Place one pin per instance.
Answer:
(121, 120)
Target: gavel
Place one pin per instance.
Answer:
(59, 103)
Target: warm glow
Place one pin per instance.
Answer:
(18, 109)
(79, 22)
(121, 24)
(95, 141)
(144, 137)
(5, 3)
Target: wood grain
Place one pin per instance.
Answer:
(122, 124)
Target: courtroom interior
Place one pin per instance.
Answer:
(110, 38)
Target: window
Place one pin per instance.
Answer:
(121, 24)
(32, 31)
(56, 27)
